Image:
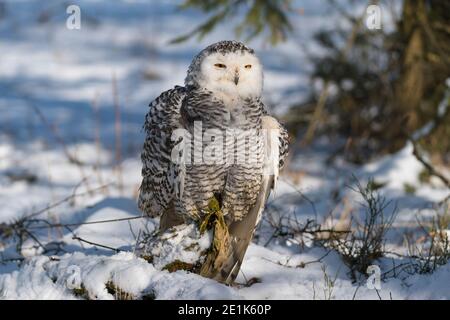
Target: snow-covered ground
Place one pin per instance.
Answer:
(59, 92)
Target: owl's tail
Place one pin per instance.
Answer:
(223, 263)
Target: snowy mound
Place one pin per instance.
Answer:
(121, 276)
(184, 244)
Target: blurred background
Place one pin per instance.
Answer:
(364, 93)
(359, 86)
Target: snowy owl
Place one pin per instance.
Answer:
(209, 139)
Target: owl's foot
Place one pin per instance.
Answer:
(220, 247)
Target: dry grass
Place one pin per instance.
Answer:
(361, 247)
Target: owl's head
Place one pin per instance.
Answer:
(227, 67)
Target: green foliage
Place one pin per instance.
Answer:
(211, 212)
(374, 185)
(424, 176)
(149, 296)
(409, 188)
(261, 16)
(81, 292)
(179, 265)
(388, 84)
(147, 258)
(117, 292)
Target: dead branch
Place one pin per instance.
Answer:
(63, 225)
(96, 244)
(62, 201)
(57, 136)
(431, 170)
(117, 132)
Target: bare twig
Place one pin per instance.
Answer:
(70, 157)
(356, 291)
(432, 171)
(360, 248)
(302, 195)
(118, 132)
(378, 294)
(62, 201)
(96, 244)
(55, 133)
(97, 138)
(59, 225)
(301, 264)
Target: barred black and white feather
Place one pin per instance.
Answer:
(159, 173)
(221, 100)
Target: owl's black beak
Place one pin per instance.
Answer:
(236, 78)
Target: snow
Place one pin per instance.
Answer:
(68, 76)
(184, 243)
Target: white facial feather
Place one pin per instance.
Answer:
(221, 79)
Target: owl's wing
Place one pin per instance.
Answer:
(161, 177)
(269, 123)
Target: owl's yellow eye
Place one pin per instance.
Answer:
(248, 66)
(220, 65)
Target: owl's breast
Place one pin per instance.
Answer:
(237, 118)
(221, 111)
